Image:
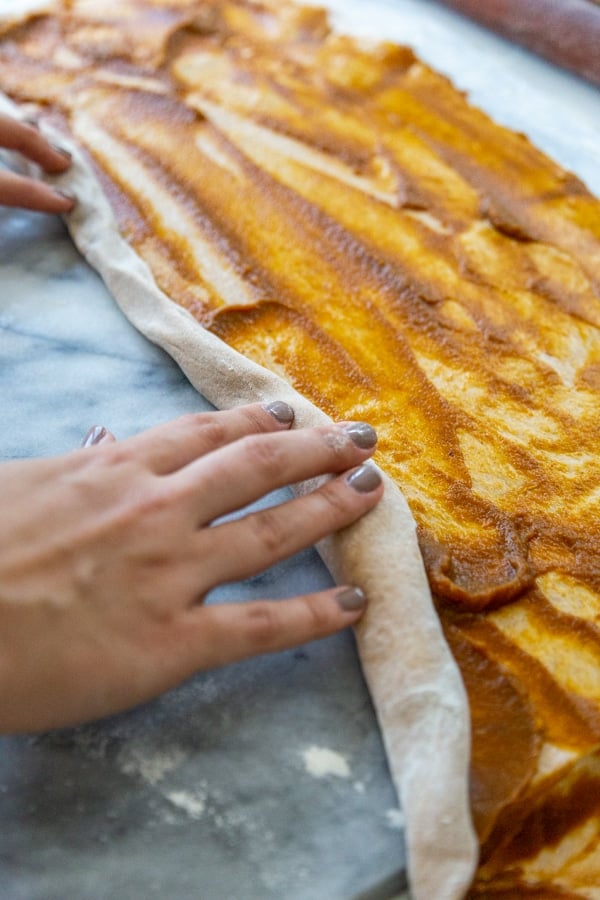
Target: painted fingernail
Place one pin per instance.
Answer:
(62, 151)
(351, 599)
(362, 435)
(364, 479)
(280, 411)
(66, 195)
(96, 434)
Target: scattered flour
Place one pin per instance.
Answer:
(193, 803)
(395, 819)
(321, 762)
(150, 764)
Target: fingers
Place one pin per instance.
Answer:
(248, 469)
(236, 550)
(224, 633)
(26, 139)
(169, 447)
(27, 193)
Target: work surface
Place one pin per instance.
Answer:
(267, 779)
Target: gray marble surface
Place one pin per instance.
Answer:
(261, 780)
(267, 779)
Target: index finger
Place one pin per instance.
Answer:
(169, 447)
(27, 139)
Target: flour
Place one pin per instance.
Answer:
(192, 802)
(150, 764)
(321, 762)
(395, 819)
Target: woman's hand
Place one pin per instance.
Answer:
(29, 193)
(107, 553)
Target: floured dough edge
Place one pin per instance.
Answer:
(415, 684)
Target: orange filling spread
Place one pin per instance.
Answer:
(339, 213)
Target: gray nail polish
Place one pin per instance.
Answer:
(364, 479)
(362, 435)
(280, 411)
(351, 599)
(66, 195)
(94, 436)
(62, 151)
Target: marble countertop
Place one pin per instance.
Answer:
(267, 779)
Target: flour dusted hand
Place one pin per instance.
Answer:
(107, 553)
(25, 139)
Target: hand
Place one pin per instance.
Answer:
(107, 553)
(28, 193)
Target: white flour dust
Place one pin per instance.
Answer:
(321, 762)
(191, 802)
(395, 819)
(148, 763)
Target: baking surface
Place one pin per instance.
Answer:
(267, 774)
(194, 772)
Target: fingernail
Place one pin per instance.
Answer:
(351, 599)
(364, 479)
(280, 411)
(66, 195)
(94, 436)
(362, 434)
(62, 151)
